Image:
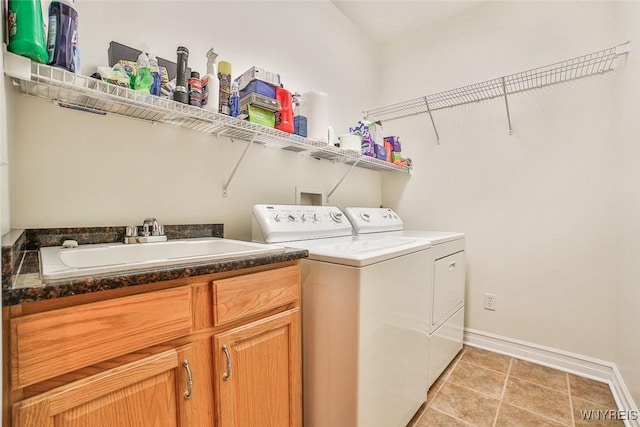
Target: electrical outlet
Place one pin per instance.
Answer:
(490, 301)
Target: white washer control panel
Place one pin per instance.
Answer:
(373, 220)
(287, 223)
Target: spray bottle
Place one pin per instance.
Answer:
(210, 84)
(143, 80)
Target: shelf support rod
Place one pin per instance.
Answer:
(506, 104)
(342, 179)
(432, 122)
(235, 169)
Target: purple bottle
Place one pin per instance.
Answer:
(62, 37)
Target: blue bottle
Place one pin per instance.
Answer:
(62, 38)
(234, 101)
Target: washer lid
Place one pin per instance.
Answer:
(360, 251)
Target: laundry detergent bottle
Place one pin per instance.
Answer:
(26, 30)
(62, 38)
(284, 117)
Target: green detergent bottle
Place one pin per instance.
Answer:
(26, 30)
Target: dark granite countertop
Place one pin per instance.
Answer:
(21, 269)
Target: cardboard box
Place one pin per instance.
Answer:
(259, 74)
(261, 116)
(260, 88)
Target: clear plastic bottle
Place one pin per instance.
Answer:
(143, 74)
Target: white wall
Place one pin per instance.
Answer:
(627, 209)
(70, 168)
(540, 208)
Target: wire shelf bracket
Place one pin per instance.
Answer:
(426, 103)
(506, 104)
(571, 69)
(353, 166)
(235, 168)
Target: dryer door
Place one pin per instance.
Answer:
(448, 288)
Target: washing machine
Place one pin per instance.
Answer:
(446, 280)
(364, 316)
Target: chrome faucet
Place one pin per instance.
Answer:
(152, 231)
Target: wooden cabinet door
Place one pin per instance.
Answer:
(258, 373)
(149, 392)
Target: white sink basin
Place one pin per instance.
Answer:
(60, 263)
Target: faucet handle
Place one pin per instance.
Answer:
(131, 231)
(145, 229)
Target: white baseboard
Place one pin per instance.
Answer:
(584, 366)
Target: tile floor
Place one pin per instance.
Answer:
(481, 388)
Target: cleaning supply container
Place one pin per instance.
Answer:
(284, 117)
(224, 76)
(26, 30)
(210, 83)
(62, 38)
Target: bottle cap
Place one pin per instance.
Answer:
(224, 67)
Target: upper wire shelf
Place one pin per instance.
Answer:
(96, 96)
(570, 69)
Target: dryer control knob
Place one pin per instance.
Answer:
(365, 216)
(336, 216)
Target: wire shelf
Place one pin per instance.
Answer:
(571, 69)
(95, 96)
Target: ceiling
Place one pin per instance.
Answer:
(388, 20)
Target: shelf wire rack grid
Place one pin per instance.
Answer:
(95, 96)
(570, 69)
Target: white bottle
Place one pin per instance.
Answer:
(211, 82)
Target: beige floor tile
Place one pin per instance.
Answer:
(466, 404)
(590, 390)
(433, 418)
(541, 400)
(591, 414)
(539, 374)
(512, 416)
(478, 378)
(486, 359)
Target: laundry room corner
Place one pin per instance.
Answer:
(544, 188)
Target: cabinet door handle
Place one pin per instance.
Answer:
(452, 265)
(227, 374)
(187, 394)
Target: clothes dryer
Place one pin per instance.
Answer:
(446, 281)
